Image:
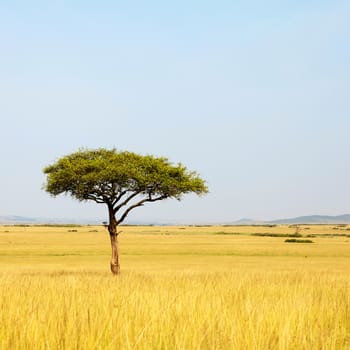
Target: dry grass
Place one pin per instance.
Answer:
(180, 288)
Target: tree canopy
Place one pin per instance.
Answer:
(122, 180)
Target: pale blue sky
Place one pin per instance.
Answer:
(254, 95)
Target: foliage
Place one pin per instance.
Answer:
(122, 180)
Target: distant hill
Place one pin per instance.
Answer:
(13, 219)
(315, 219)
(247, 222)
(18, 220)
(311, 219)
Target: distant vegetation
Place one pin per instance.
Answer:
(277, 234)
(59, 225)
(293, 240)
(43, 225)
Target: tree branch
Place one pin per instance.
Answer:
(140, 204)
(118, 198)
(127, 200)
(96, 199)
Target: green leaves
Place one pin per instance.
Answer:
(117, 178)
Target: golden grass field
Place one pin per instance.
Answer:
(179, 288)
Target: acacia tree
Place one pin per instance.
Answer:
(121, 180)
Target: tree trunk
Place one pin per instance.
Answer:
(115, 267)
(113, 234)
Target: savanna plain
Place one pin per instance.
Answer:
(180, 287)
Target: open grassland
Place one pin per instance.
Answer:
(183, 287)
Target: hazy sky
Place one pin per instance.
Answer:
(254, 95)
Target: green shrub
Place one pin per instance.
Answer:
(228, 233)
(277, 234)
(298, 241)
